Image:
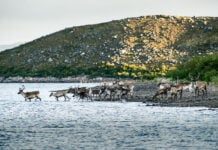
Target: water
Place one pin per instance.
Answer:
(100, 125)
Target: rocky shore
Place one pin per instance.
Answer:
(145, 92)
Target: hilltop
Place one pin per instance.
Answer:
(133, 47)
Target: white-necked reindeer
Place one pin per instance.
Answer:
(29, 95)
(199, 86)
(163, 85)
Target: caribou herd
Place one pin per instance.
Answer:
(119, 90)
(195, 87)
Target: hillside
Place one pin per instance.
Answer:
(133, 47)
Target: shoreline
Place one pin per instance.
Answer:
(79, 79)
(143, 91)
(146, 93)
(193, 103)
(210, 102)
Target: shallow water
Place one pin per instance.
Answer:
(100, 125)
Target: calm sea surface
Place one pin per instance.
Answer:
(80, 124)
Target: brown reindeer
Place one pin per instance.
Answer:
(29, 95)
(174, 95)
(161, 92)
(82, 93)
(199, 86)
(176, 89)
(126, 86)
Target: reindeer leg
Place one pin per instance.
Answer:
(202, 96)
(206, 91)
(68, 98)
(105, 96)
(91, 98)
(88, 97)
(162, 96)
(175, 96)
(110, 97)
(181, 94)
(38, 98)
(56, 98)
(196, 92)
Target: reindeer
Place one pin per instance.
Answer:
(72, 90)
(187, 86)
(126, 90)
(174, 95)
(176, 89)
(113, 91)
(127, 87)
(82, 92)
(95, 91)
(104, 91)
(29, 95)
(163, 85)
(60, 93)
(110, 91)
(198, 85)
(161, 92)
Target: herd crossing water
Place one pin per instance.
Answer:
(75, 124)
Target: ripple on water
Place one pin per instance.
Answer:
(97, 125)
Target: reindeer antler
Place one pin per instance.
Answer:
(190, 76)
(197, 78)
(23, 87)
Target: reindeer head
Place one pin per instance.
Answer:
(71, 90)
(193, 78)
(21, 89)
(51, 94)
(116, 82)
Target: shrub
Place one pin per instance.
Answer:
(214, 80)
(206, 66)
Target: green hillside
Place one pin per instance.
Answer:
(206, 67)
(141, 47)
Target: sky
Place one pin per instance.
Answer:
(26, 20)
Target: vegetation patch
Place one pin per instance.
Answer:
(140, 48)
